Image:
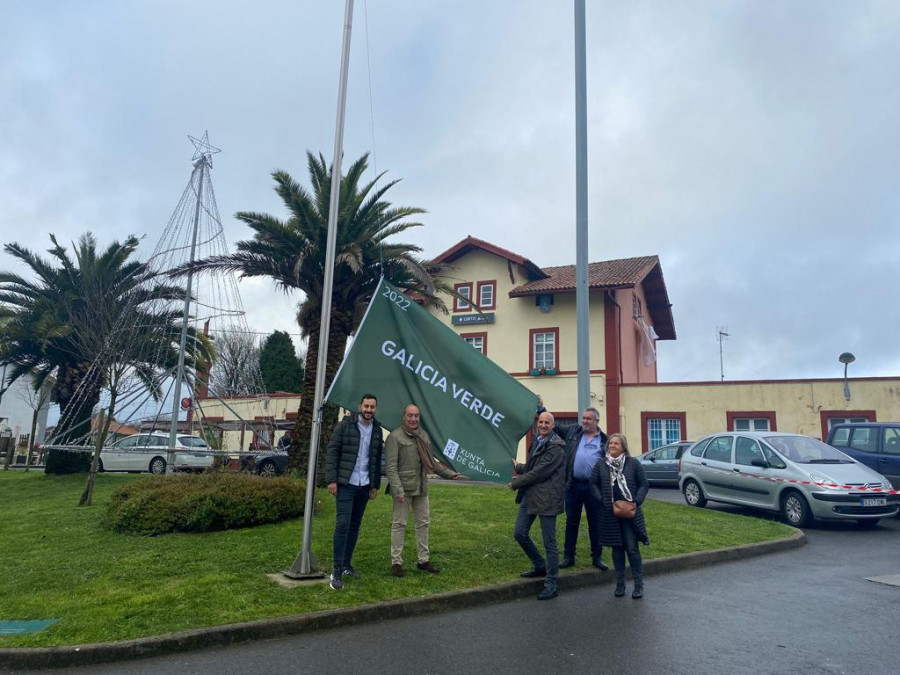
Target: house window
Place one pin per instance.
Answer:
(752, 420)
(662, 428)
(831, 417)
(487, 294)
(477, 340)
(462, 301)
(544, 347)
(663, 431)
(751, 424)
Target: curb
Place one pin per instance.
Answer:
(102, 652)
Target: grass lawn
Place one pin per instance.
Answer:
(59, 563)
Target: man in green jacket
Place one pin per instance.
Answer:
(408, 461)
(353, 475)
(541, 486)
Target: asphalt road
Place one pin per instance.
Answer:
(808, 610)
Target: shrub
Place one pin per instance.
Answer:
(202, 503)
(61, 462)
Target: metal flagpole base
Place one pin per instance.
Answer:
(296, 570)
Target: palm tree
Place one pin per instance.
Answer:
(292, 253)
(90, 321)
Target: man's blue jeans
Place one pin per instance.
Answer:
(350, 505)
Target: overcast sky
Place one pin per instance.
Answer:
(753, 146)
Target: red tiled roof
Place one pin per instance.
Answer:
(471, 243)
(607, 274)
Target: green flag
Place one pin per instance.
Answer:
(474, 412)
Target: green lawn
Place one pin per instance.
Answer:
(59, 563)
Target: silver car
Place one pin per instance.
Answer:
(798, 476)
(661, 464)
(148, 452)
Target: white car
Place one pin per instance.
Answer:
(147, 452)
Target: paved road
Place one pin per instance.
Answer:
(809, 611)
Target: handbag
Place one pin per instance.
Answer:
(624, 509)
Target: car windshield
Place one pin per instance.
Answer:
(803, 450)
(192, 442)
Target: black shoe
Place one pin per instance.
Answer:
(567, 562)
(350, 572)
(637, 594)
(600, 565)
(428, 567)
(620, 590)
(547, 594)
(335, 582)
(534, 573)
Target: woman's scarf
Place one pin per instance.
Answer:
(617, 475)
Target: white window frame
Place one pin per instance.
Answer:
(489, 303)
(753, 424)
(463, 305)
(665, 430)
(477, 343)
(547, 343)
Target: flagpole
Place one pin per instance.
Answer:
(582, 288)
(304, 565)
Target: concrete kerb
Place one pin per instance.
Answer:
(80, 655)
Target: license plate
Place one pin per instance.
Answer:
(874, 501)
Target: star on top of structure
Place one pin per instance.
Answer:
(202, 148)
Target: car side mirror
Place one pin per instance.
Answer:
(761, 463)
(651, 459)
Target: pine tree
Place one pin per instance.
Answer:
(279, 365)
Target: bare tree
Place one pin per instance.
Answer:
(235, 367)
(37, 400)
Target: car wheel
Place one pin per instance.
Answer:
(268, 469)
(693, 493)
(795, 509)
(867, 523)
(158, 465)
(99, 466)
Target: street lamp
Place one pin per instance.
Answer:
(846, 358)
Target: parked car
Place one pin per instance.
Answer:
(875, 444)
(268, 463)
(148, 452)
(800, 477)
(661, 464)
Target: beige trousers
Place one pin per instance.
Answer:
(419, 505)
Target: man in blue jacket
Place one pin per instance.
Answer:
(353, 475)
(584, 448)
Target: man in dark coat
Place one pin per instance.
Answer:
(584, 448)
(353, 475)
(541, 486)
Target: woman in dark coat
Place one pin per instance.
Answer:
(618, 476)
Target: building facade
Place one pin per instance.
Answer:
(525, 321)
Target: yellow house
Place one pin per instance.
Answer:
(526, 324)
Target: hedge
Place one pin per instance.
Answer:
(202, 503)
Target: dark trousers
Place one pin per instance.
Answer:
(548, 530)
(350, 505)
(578, 498)
(630, 548)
